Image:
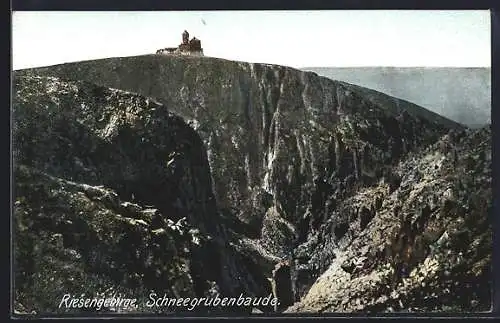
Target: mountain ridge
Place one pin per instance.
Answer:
(289, 155)
(207, 59)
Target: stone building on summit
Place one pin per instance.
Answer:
(187, 47)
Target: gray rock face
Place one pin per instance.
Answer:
(270, 128)
(299, 165)
(428, 244)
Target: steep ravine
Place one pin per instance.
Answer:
(286, 150)
(270, 131)
(422, 246)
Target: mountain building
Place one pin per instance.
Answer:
(187, 47)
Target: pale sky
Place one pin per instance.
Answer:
(333, 38)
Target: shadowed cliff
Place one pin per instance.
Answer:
(113, 195)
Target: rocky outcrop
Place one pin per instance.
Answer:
(301, 167)
(113, 193)
(428, 244)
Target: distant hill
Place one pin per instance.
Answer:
(460, 94)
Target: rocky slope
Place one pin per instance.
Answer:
(112, 194)
(424, 246)
(290, 156)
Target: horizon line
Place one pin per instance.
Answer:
(300, 68)
(395, 66)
